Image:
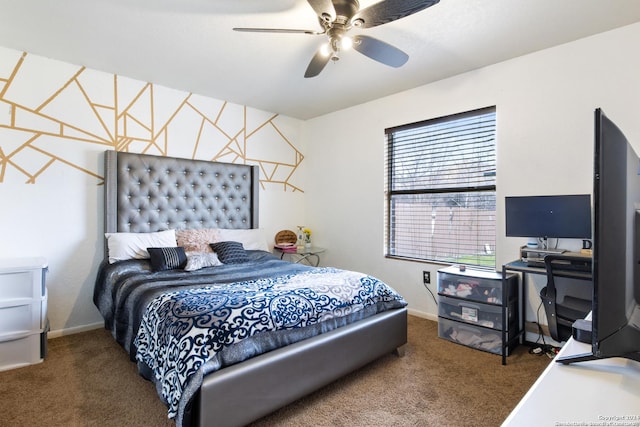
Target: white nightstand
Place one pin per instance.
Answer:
(23, 312)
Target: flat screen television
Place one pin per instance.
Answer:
(615, 319)
(542, 217)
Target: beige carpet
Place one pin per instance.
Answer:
(88, 380)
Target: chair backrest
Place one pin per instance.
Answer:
(562, 306)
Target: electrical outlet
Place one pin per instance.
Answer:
(426, 277)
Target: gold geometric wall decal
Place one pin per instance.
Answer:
(80, 110)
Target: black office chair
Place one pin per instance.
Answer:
(563, 309)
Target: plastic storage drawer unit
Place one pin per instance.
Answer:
(479, 309)
(23, 312)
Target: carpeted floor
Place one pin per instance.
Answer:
(88, 380)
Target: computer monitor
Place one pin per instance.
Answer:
(616, 247)
(542, 217)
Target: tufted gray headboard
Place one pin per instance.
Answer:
(145, 193)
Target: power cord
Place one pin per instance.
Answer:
(544, 243)
(432, 296)
(542, 348)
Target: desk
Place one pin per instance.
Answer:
(598, 393)
(522, 267)
(309, 255)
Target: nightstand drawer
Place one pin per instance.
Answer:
(487, 315)
(22, 278)
(18, 285)
(25, 317)
(21, 351)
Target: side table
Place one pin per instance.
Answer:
(309, 256)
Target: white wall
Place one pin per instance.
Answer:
(545, 103)
(57, 119)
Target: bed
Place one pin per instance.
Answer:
(268, 353)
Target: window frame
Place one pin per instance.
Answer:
(489, 188)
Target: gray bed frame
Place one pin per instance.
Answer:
(145, 193)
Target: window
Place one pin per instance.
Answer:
(441, 189)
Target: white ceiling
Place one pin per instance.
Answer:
(189, 44)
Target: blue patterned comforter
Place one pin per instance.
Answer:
(180, 326)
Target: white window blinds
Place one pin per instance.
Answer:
(440, 192)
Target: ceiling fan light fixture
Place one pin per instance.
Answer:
(337, 17)
(325, 50)
(346, 43)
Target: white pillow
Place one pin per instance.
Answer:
(251, 239)
(124, 246)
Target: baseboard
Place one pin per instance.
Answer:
(532, 334)
(533, 328)
(422, 314)
(74, 330)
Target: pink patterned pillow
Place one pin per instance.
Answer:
(197, 240)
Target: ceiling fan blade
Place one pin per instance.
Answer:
(317, 64)
(278, 30)
(380, 51)
(323, 7)
(388, 11)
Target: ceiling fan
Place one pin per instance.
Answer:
(337, 17)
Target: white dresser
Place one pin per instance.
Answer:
(23, 312)
(604, 392)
